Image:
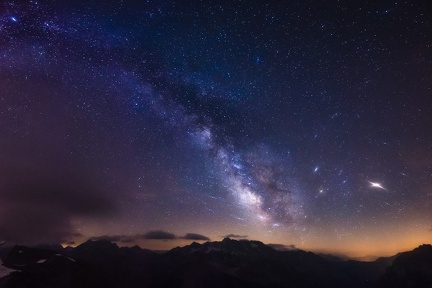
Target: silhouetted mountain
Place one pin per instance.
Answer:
(4, 251)
(232, 263)
(130, 264)
(4, 271)
(410, 269)
(332, 257)
(41, 268)
(228, 263)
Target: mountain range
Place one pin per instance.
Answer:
(228, 263)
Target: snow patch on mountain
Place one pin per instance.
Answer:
(4, 271)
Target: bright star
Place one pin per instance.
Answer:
(376, 185)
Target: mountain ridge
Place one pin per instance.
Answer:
(227, 263)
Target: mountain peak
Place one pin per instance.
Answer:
(227, 245)
(101, 244)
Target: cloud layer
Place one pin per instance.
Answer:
(194, 236)
(159, 235)
(150, 235)
(282, 247)
(38, 203)
(236, 236)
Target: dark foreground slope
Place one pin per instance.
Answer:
(410, 269)
(228, 263)
(41, 268)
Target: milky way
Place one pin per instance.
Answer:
(304, 125)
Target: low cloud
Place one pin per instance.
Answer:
(282, 247)
(37, 203)
(128, 240)
(236, 236)
(159, 235)
(194, 236)
(150, 235)
(118, 238)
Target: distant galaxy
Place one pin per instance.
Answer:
(376, 185)
(305, 124)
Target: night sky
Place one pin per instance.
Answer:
(305, 123)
